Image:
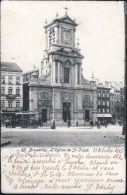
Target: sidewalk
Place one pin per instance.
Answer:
(76, 128)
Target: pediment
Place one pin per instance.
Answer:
(66, 19)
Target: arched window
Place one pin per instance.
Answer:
(66, 75)
(78, 74)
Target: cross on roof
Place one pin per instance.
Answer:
(66, 8)
(92, 76)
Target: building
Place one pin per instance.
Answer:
(27, 76)
(62, 93)
(26, 79)
(103, 102)
(11, 89)
(117, 104)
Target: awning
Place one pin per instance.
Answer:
(27, 113)
(104, 115)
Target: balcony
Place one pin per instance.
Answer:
(7, 109)
(10, 96)
(2, 94)
(18, 95)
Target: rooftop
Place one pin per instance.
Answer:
(30, 72)
(11, 67)
(65, 19)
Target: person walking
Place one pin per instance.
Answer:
(69, 123)
(53, 125)
(105, 123)
(99, 125)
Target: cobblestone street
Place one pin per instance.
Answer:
(63, 137)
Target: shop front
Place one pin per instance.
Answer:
(104, 118)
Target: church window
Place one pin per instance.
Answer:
(78, 74)
(66, 75)
(50, 38)
(56, 71)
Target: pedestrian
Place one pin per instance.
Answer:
(53, 125)
(39, 122)
(13, 123)
(84, 124)
(69, 123)
(7, 123)
(76, 123)
(96, 123)
(91, 123)
(99, 125)
(105, 124)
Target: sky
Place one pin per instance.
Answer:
(100, 31)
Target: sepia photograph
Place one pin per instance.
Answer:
(63, 119)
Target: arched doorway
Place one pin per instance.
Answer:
(66, 111)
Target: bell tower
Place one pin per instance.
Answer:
(62, 59)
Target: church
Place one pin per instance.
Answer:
(61, 92)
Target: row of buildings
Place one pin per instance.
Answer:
(59, 90)
(17, 98)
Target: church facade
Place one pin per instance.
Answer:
(61, 93)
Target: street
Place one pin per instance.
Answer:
(64, 137)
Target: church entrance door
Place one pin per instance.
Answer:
(66, 111)
(87, 115)
(44, 115)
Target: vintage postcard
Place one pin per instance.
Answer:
(63, 97)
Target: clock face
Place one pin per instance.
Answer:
(66, 36)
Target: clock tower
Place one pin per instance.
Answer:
(61, 93)
(62, 60)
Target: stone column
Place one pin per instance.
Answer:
(53, 72)
(80, 74)
(76, 66)
(59, 75)
(59, 37)
(74, 38)
(53, 104)
(30, 102)
(57, 34)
